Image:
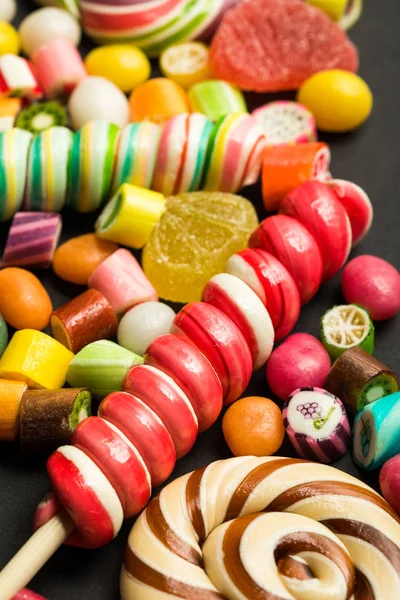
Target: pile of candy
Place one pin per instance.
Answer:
(144, 160)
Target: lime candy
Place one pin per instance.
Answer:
(39, 117)
(380, 386)
(81, 409)
(101, 368)
(193, 240)
(346, 326)
(3, 335)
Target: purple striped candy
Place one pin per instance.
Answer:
(317, 424)
(32, 240)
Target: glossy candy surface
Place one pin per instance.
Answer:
(32, 240)
(10, 42)
(221, 342)
(374, 284)
(216, 98)
(317, 424)
(122, 281)
(85, 319)
(46, 24)
(59, 67)
(300, 361)
(285, 122)
(18, 78)
(118, 459)
(130, 216)
(253, 426)
(158, 100)
(273, 284)
(357, 205)
(160, 393)
(389, 481)
(315, 206)
(339, 100)
(347, 326)
(142, 324)
(145, 430)
(11, 393)
(291, 243)
(36, 359)
(24, 302)
(97, 98)
(123, 64)
(289, 165)
(14, 148)
(77, 258)
(186, 63)
(190, 369)
(238, 301)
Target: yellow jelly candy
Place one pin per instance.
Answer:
(339, 100)
(193, 240)
(9, 39)
(186, 63)
(123, 64)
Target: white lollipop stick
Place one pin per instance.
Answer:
(34, 554)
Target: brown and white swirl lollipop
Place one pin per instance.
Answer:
(322, 535)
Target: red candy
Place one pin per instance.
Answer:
(389, 482)
(86, 495)
(191, 370)
(315, 205)
(292, 244)
(160, 393)
(273, 284)
(357, 205)
(221, 342)
(270, 45)
(119, 460)
(238, 301)
(374, 284)
(145, 430)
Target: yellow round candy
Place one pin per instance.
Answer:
(123, 64)
(9, 39)
(339, 100)
(186, 63)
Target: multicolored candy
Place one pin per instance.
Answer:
(14, 147)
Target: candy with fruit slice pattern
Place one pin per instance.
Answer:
(285, 122)
(317, 424)
(347, 326)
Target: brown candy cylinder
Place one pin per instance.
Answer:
(357, 378)
(86, 319)
(48, 417)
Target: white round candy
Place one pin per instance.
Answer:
(98, 98)
(48, 24)
(142, 324)
(8, 10)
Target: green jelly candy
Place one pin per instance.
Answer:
(101, 367)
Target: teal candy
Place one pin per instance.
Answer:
(376, 432)
(3, 335)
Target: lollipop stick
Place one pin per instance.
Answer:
(34, 554)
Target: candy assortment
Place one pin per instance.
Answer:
(172, 371)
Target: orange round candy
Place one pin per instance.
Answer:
(253, 426)
(158, 100)
(76, 259)
(24, 303)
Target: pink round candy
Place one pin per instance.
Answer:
(59, 67)
(374, 284)
(221, 342)
(315, 205)
(26, 594)
(191, 370)
(294, 246)
(119, 460)
(158, 391)
(300, 361)
(145, 430)
(389, 482)
(357, 205)
(87, 495)
(272, 283)
(238, 301)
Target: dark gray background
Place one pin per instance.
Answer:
(370, 157)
